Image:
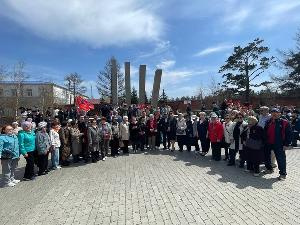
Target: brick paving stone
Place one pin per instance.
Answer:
(159, 187)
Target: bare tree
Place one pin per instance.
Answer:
(74, 84)
(104, 81)
(3, 72)
(18, 76)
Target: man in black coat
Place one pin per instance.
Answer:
(163, 128)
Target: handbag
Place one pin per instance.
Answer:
(254, 144)
(6, 154)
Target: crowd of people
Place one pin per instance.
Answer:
(254, 138)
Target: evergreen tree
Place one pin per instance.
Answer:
(244, 66)
(134, 96)
(163, 98)
(105, 78)
(290, 83)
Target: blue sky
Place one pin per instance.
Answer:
(188, 39)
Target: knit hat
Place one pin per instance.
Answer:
(42, 125)
(275, 110)
(213, 115)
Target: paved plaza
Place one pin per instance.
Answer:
(159, 187)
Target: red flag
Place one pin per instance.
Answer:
(83, 104)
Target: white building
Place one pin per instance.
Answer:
(32, 94)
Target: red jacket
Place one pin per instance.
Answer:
(215, 131)
(270, 131)
(152, 125)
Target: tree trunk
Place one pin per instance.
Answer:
(247, 92)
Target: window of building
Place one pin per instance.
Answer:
(13, 92)
(1, 92)
(29, 92)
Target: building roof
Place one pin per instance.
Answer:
(39, 83)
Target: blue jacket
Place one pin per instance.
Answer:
(9, 146)
(26, 141)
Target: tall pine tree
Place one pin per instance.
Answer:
(244, 66)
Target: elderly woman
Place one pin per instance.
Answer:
(115, 130)
(16, 128)
(215, 133)
(181, 131)
(55, 145)
(76, 141)
(253, 140)
(124, 134)
(202, 132)
(105, 134)
(227, 134)
(9, 154)
(152, 130)
(43, 145)
(134, 134)
(238, 127)
(171, 131)
(94, 140)
(65, 140)
(26, 139)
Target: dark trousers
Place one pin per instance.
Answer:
(125, 148)
(196, 144)
(135, 144)
(114, 146)
(242, 154)
(280, 158)
(226, 149)
(42, 163)
(253, 166)
(142, 142)
(205, 144)
(164, 135)
(295, 137)
(158, 139)
(29, 168)
(232, 155)
(180, 140)
(216, 151)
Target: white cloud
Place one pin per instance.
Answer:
(166, 64)
(93, 22)
(160, 48)
(214, 49)
(279, 12)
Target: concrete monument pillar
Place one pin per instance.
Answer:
(142, 84)
(156, 87)
(127, 83)
(114, 83)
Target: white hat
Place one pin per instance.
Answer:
(42, 124)
(213, 115)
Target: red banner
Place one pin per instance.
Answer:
(83, 104)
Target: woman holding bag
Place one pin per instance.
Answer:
(253, 139)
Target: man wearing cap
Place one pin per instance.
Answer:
(264, 116)
(278, 137)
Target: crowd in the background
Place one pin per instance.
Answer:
(66, 137)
